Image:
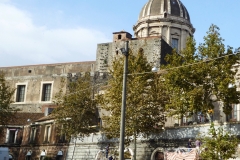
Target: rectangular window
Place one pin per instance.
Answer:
(46, 92)
(62, 138)
(175, 43)
(234, 112)
(47, 134)
(20, 93)
(32, 136)
(12, 136)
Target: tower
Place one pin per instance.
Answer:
(161, 26)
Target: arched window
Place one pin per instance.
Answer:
(165, 15)
(159, 156)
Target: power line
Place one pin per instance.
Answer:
(161, 71)
(187, 65)
(79, 91)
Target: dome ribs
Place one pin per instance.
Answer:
(181, 8)
(168, 18)
(175, 8)
(149, 8)
(156, 7)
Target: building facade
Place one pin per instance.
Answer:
(33, 131)
(163, 25)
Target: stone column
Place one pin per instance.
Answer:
(147, 30)
(160, 30)
(181, 39)
(169, 35)
(183, 43)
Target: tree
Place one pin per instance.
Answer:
(196, 78)
(145, 99)
(6, 96)
(218, 144)
(76, 111)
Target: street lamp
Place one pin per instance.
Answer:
(158, 70)
(155, 69)
(123, 109)
(124, 93)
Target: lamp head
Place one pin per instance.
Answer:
(154, 69)
(123, 50)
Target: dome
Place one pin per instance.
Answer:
(161, 8)
(168, 19)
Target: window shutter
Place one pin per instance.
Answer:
(7, 136)
(17, 94)
(15, 138)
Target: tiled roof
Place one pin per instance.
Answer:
(21, 118)
(49, 117)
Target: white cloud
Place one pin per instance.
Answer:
(23, 43)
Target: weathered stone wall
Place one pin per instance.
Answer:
(168, 28)
(34, 76)
(155, 49)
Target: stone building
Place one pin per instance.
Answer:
(162, 26)
(36, 85)
(15, 130)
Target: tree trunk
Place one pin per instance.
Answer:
(135, 147)
(181, 120)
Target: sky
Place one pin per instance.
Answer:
(58, 31)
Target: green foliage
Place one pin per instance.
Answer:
(218, 144)
(6, 98)
(145, 98)
(76, 111)
(196, 81)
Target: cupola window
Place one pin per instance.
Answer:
(175, 43)
(119, 36)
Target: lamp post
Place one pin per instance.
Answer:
(123, 109)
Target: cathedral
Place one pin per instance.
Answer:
(162, 25)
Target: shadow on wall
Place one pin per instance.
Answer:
(103, 141)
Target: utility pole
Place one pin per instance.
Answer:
(123, 109)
